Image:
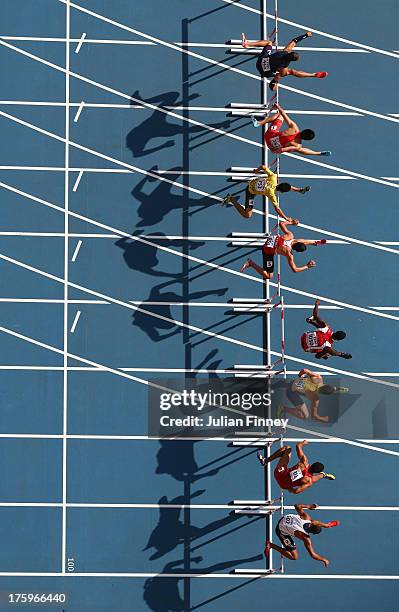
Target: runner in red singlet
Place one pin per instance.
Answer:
(282, 245)
(320, 342)
(288, 140)
(300, 476)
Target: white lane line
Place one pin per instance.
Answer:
(151, 384)
(191, 121)
(66, 288)
(76, 118)
(195, 259)
(176, 183)
(80, 43)
(222, 65)
(306, 28)
(76, 251)
(76, 185)
(197, 574)
(75, 322)
(150, 506)
(191, 327)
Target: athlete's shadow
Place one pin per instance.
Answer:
(163, 594)
(159, 124)
(152, 325)
(154, 206)
(143, 257)
(176, 458)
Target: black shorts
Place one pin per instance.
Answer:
(294, 397)
(249, 199)
(266, 53)
(286, 540)
(268, 263)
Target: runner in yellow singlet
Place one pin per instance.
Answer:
(265, 186)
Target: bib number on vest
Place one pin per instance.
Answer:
(260, 184)
(265, 64)
(275, 142)
(296, 474)
(312, 339)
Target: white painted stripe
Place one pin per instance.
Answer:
(80, 43)
(261, 574)
(225, 66)
(195, 259)
(75, 321)
(76, 185)
(306, 28)
(76, 251)
(81, 105)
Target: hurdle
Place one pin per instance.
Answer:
(269, 506)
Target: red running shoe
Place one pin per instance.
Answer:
(321, 75)
(244, 41)
(267, 549)
(333, 523)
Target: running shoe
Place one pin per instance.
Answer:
(244, 41)
(261, 458)
(304, 189)
(255, 122)
(333, 524)
(326, 153)
(341, 389)
(267, 548)
(226, 199)
(247, 265)
(321, 75)
(328, 476)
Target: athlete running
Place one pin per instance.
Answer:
(300, 476)
(265, 186)
(300, 526)
(309, 385)
(288, 140)
(320, 342)
(276, 64)
(282, 245)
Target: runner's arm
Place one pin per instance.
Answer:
(308, 373)
(299, 451)
(315, 314)
(308, 545)
(293, 266)
(300, 508)
(328, 350)
(302, 488)
(286, 118)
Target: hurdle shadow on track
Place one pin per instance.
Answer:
(160, 125)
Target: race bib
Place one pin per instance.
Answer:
(270, 242)
(269, 264)
(265, 63)
(311, 339)
(275, 142)
(260, 184)
(296, 474)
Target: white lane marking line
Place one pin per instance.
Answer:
(80, 43)
(176, 183)
(159, 109)
(192, 258)
(76, 251)
(242, 574)
(75, 322)
(192, 327)
(221, 64)
(76, 118)
(306, 28)
(151, 506)
(150, 384)
(76, 185)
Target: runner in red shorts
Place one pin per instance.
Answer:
(320, 342)
(300, 476)
(288, 140)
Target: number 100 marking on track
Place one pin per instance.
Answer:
(71, 564)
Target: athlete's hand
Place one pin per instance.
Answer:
(304, 443)
(325, 562)
(317, 302)
(311, 263)
(294, 221)
(309, 34)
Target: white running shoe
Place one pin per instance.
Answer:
(246, 265)
(244, 41)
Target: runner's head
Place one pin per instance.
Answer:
(310, 528)
(293, 56)
(326, 389)
(339, 335)
(316, 468)
(283, 187)
(307, 134)
(299, 247)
